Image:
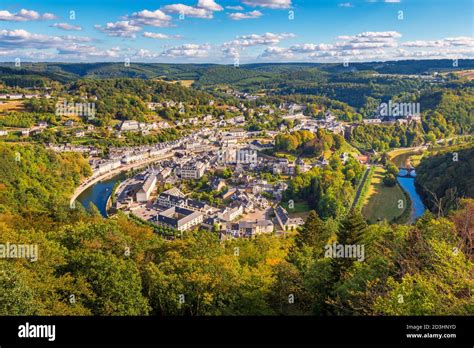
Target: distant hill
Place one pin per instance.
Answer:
(220, 74)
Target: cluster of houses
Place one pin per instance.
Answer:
(26, 132)
(172, 209)
(19, 96)
(328, 122)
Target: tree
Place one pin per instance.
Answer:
(311, 232)
(350, 232)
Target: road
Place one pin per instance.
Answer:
(359, 189)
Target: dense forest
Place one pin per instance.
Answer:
(446, 177)
(89, 265)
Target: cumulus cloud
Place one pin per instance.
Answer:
(25, 15)
(66, 26)
(274, 52)
(88, 51)
(258, 40)
(237, 16)
(155, 18)
(20, 38)
(209, 5)
(345, 4)
(204, 9)
(120, 29)
(274, 4)
(374, 46)
(231, 52)
(187, 51)
(447, 42)
(160, 36)
(371, 36)
(188, 11)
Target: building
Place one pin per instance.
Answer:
(286, 223)
(107, 166)
(171, 198)
(145, 190)
(230, 213)
(3, 132)
(255, 227)
(217, 184)
(180, 219)
(193, 170)
(166, 172)
(129, 126)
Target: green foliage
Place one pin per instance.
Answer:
(36, 180)
(444, 178)
(383, 137)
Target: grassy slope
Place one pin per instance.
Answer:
(381, 202)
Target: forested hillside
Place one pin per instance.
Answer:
(89, 265)
(444, 178)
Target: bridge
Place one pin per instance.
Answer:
(406, 172)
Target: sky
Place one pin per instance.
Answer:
(235, 32)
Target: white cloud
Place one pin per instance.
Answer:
(447, 42)
(188, 11)
(371, 36)
(155, 18)
(345, 4)
(274, 4)
(237, 16)
(88, 51)
(305, 48)
(66, 26)
(119, 29)
(274, 52)
(257, 40)
(231, 52)
(25, 15)
(20, 39)
(160, 36)
(235, 8)
(187, 51)
(209, 5)
(145, 54)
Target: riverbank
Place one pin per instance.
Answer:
(91, 181)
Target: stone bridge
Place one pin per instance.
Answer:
(406, 172)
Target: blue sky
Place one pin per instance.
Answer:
(235, 31)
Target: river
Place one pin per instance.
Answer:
(99, 193)
(408, 185)
(417, 206)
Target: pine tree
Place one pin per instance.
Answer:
(349, 233)
(311, 232)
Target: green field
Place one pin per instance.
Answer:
(301, 209)
(381, 202)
